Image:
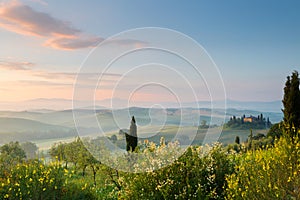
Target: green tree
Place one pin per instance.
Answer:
(94, 165)
(250, 138)
(203, 124)
(276, 130)
(14, 150)
(237, 140)
(30, 149)
(72, 150)
(10, 155)
(83, 157)
(131, 138)
(291, 103)
(113, 138)
(58, 152)
(93, 153)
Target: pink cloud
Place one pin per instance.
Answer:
(22, 19)
(15, 65)
(73, 43)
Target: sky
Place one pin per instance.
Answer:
(254, 45)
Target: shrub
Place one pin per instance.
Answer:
(195, 175)
(267, 174)
(35, 180)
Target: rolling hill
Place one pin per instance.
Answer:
(26, 125)
(18, 129)
(43, 125)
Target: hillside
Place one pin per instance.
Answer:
(13, 129)
(26, 125)
(41, 125)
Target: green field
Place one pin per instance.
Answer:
(187, 136)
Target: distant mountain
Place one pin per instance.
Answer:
(262, 106)
(42, 104)
(271, 106)
(45, 105)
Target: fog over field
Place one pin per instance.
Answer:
(46, 126)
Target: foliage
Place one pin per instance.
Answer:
(14, 150)
(267, 174)
(75, 153)
(35, 180)
(262, 143)
(276, 130)
(30, 149)
(58, 152)
(72, 151)
(113, 138)
(203, 124)
(291, 103)
(195, 175)
(258, 141)
(210, 172)
(131, 138)
(10, 155)
(235, 148)
(237, 140)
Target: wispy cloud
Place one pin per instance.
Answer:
(23, 19)
(28, 68)
(16, 65)
(40, 2)
(73, 43)
(72, 76)
(44, 77)
(43, 83)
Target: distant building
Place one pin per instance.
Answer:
(250, 119)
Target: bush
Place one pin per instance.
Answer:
(276, 130)
(235, 148)
(35, 180)
(267, 174)
(195, 175)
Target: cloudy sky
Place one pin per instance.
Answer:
(255, 45)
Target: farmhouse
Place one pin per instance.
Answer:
(250, 119)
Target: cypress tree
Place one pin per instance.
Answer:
(291, 104)
(237, 140)
(131, 138)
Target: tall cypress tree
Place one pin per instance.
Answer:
(291, 103)
(131, 138)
